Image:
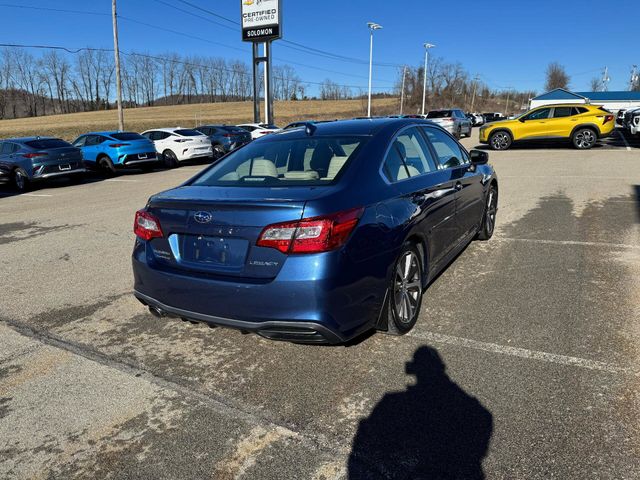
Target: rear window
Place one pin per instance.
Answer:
(128, 136)
(234, 130)
(439, 114)
(188, 133)
(45, 143)
(281, 163)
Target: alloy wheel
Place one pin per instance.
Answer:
(407, 287)
(585, 138)
(20, 180)
(492, 209)
(500, 141)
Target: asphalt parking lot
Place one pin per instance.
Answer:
(525, 362)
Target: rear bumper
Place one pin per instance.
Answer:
(62, 173)
(313, 299)
(286, 330)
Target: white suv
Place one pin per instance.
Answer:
(179, 144)
(634, 123)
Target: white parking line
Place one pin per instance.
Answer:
(121, 180)
(624, 140)
(569, 242)
(522, 352)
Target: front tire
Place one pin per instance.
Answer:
(405, 291)
(500, 140)
(489, 218)
(584, 138)
(218, 152)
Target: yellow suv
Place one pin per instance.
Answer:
(582, 124)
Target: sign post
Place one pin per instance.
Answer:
(262, 23)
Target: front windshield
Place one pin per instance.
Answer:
(281, 163)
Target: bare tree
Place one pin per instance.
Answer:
(557, 77)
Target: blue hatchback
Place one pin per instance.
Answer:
(316, 234)
(108, 151)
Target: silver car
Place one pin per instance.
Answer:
(453, 121)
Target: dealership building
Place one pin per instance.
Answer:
(612, 101)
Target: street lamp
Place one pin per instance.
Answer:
(427, 46)
(372, 26)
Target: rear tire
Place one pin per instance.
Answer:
(218, 152)
(489, 218)
(21, 180)
(584, 138)
(170, 159)
(500, 140)
(106, 167)
(405, 291)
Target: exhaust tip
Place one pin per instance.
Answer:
(156, 312)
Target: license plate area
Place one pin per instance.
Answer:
(211, 251)
(142, 156)
(64, 167)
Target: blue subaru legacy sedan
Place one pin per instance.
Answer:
(109, 151)
(316, 234)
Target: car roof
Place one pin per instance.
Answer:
(28, 139)
(107, 132)
(168, 129)
(358, 127)
(568, 105)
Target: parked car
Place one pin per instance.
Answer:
(5, 174)
(224, 138)
(315, 235)
(179, 144)
(628, 116)
(109, 151)
(258, 130)
(634, 123)
(620, 117)
(475, 118)
(582, 124)
(493, 117)
(34, 159)
(453, 121)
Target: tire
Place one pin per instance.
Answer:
(459, 133)
(500, 140)
(584, 138)
(218, 152)
(106, 167)
(21, 180)
(170, 159)
(489, 217)
(405, 291)
(468, 135)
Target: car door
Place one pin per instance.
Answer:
(559, 123)
(467, 181)
(535, 124)
(90, 149)
(426, 196)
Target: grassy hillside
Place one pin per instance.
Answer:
(139, 119)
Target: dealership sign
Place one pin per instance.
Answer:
(261, 20)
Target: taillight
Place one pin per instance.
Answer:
(265, 132)
(182, 140)
(35, 155)
(147, 226)
(311, 235)
(118, 145)
(608, 118)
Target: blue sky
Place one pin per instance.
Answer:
(508, 43)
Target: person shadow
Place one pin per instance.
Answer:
(434, 430)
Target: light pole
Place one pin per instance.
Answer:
(404, 76)
(427, 46)
(372, 26)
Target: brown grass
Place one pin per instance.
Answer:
(139, 119)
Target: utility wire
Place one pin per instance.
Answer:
(170, 60)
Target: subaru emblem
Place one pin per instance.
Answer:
(203, 217)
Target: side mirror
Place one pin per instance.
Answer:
(522, 119)
(479, 157)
